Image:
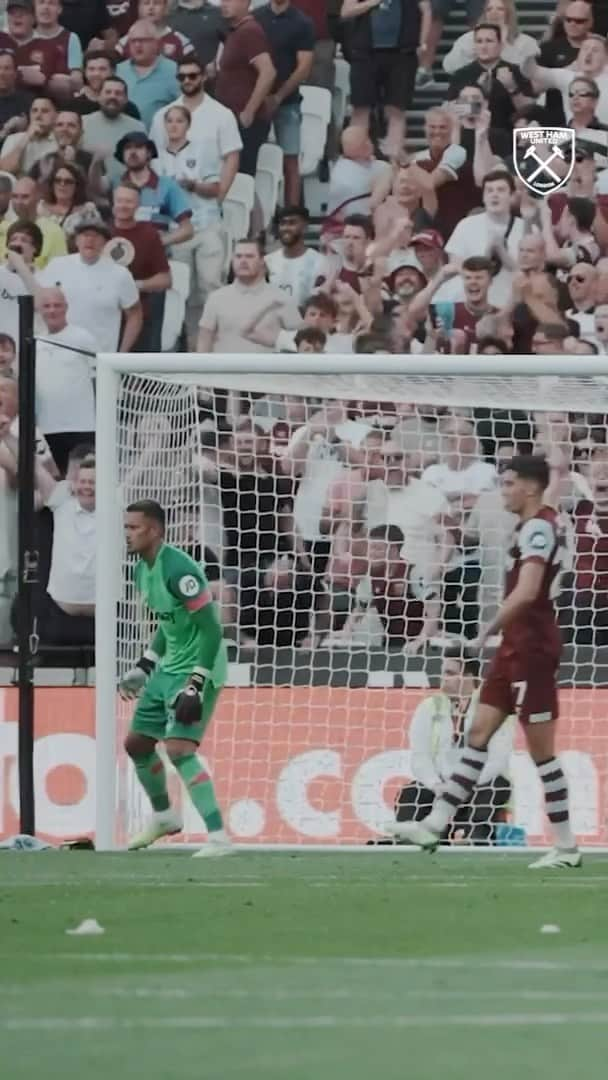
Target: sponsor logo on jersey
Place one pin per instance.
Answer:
(188, 585)
(538, 540)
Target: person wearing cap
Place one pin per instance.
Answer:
(102, 296)
(18, 39)
(294, 267)
(161, 199)
(150, 77)
(427, 246)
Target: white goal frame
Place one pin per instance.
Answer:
(110, 367)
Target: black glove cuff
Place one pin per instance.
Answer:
(197, 681)
(146, 664)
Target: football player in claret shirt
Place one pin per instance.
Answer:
(522, 677)
(179, 676)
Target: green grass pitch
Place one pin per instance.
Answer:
(302, 967)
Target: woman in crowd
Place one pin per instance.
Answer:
(65, 200)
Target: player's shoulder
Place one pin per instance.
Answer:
(184, 576)
(537, 536)
(176, 561)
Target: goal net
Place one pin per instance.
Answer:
(353, 532)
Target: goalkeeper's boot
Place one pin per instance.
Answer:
(162, 823)
(414, 832)
(558, 859)
(218, 843)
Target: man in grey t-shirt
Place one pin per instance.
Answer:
(103, 129)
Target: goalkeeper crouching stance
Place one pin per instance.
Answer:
(179, 678)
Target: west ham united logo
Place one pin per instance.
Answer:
(544, 157)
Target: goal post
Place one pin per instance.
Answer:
(285, 746)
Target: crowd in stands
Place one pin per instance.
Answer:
(127, 128)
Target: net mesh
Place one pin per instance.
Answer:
(351, 529)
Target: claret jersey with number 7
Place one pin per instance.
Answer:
(540, 540)
(174, 588)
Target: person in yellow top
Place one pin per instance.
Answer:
(24, 207)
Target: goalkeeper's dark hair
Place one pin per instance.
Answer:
(531, 467)
(150, 509)
(470, 664)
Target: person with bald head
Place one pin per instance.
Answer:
(150, 77)
(65, 399)
(353, 178)
(25, 198)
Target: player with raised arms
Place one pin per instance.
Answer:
(522, 677)
(179, 678)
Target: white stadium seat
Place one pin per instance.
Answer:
(175, 304)
(341, 92)
(316, 114)
(269, 180)
(237, 208)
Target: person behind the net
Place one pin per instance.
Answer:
(523, 674)
(179, 677)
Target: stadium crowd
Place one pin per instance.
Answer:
(128, 132)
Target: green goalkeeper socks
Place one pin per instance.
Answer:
(153, 778)
(200, 788)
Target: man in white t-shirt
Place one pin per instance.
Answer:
(210, 122)
(496, 233)
(354, 175)
(293, 267)
(100, 294)
(461, 476)
(229, 311)
(204, 165)
(68, 615)
(65, 397)
(591, 63)
(403, 499)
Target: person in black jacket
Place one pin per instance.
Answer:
(504, 86)
(385, 40)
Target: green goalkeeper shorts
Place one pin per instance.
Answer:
(154, 715)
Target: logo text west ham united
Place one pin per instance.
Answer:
(544, 157)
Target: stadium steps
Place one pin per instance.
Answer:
(533, 16)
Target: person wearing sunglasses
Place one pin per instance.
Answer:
(583, 96)
(581, 283)
(210, 122)
(591, 63)
(561, 48)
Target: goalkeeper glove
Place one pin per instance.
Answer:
(188, 704)
(132, 683)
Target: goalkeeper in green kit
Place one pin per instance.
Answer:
(179, 678)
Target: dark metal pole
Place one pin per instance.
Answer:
(28, 562)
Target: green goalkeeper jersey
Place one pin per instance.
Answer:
(189, 634)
